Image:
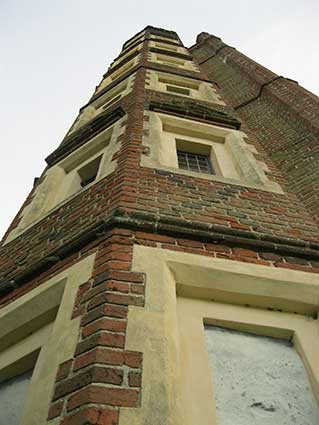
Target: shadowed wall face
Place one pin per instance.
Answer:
(12, 396)
(258, 380)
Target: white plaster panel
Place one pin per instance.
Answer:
(258, 380)
(12, 397)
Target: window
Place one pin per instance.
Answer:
(172, 61)
(194, 162)
(102, 103)
(73, 174)
(112, 96)
(89, 172)
(124, 68)
(137, 38)
(163, 38)
(187, 146)
(82, 168)
(168, 46)
(109, 79)
(37, 333)
(189, 293)
(178, 90)
(182, 86)
(125, 55)
(169, 60)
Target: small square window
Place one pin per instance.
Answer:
(195, 162)
(89, 172)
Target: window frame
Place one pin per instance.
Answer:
(55, 190)
(232, 157)
(46, 312)
(198, 157)
(169, 330)
(198, 89)
(172, 61)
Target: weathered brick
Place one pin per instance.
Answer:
(121, 397)
(133, 359)
(241, 252)
(134, 379)
(92, 415)
(55, 410)
(103, 355)
(121, 276)
(94, 374)
(217, 248)
(270, 256)
(101, 339)
(115, 298)
(64, 370)
(104, 324)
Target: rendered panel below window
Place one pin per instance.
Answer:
(258, 380)
(13, 393)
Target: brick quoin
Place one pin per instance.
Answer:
(141, 206)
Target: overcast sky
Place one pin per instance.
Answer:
(54, 52)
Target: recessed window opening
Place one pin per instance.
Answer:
(125, 55)
(194, 162)
(166, 46)
(111, 96)
(122, 70)
(133, 41)
(160, 37)
(179, 82)
(113, 100)
(178, 90)
(89, 171)
(194, 156)
(258, 379)
(99, 142)
(170, 60)
(170, 63)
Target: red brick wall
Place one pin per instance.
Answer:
(284, 118)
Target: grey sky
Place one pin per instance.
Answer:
(53, 53)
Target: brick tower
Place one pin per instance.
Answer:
(164, 268)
